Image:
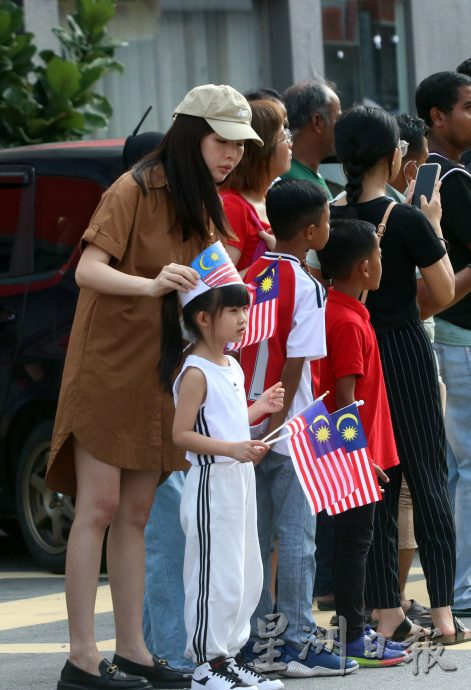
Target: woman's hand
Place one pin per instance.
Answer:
(248, 451)
(173, 277)
(268, 238)
(433, 208)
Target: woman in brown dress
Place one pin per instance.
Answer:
(112, 436)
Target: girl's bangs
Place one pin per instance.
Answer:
(233, 296)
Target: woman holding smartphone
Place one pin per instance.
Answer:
(367, 144)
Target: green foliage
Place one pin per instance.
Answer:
(52, 99)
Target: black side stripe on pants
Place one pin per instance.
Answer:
(203, 525)
(201, 426)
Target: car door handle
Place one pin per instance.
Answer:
(7, 315)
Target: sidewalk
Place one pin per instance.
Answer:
(34, 641)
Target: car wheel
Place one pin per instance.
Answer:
(45, 516)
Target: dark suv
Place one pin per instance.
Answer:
(47, 196)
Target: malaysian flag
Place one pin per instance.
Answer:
(348, 424)
(323, 468)
(215, 266)
(263, 313)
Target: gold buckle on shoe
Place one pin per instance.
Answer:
(112, 669)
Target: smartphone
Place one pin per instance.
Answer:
(427, 176)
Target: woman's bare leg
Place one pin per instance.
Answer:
(126, 562)
(97, 499)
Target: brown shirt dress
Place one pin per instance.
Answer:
(110, 398)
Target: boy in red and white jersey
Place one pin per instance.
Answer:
(299, 217)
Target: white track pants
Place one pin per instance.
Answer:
(223, 569)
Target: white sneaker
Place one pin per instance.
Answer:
(218, 675)
(248, 674)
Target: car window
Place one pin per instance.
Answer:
(64, 206)
(16, 194)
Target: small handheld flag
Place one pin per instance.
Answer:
(215, 269)
(263, 313)
(348, 423)
(322, 467)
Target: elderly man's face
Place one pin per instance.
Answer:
(334, 113)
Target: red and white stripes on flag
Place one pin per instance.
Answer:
(261, 321)
(226, 273)
(326, 479)
(368, 490)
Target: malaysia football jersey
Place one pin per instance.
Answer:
(300, 333)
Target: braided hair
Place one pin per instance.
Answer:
(363, 137)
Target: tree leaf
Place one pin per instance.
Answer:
(93, 15)
(63, 77)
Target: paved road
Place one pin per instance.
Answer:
(34, 637)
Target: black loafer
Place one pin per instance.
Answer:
(110, 678)
(161, 675)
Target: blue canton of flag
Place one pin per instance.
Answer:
(209, 259)
(266, 285)
(323, 435)
(347, 422)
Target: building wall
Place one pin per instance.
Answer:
(39, 17)
(283, 44)
(441, 33)
(306, 39)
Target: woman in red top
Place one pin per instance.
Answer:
(246, 187)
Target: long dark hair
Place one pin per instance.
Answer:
(193, 190)
(172, 342)
(364, 136)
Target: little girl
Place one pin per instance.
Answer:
(222, 569)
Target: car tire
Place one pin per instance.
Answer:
(44, 516)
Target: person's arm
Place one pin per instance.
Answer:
(345, 390)
(269, 402)
(235, 254)
(462, 288)
(191, 395)
(290, 378)
(437, 288)
(95, 273)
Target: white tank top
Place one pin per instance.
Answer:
(223, 415)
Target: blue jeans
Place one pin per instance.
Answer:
(164, 596)
(283, 512)
(455, 368)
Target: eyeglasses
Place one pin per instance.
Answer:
(288, 137)
(403, 147)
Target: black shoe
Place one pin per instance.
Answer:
(110, 678)
(161, 675)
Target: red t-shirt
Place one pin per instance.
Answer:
(246, 224)
(352, 348)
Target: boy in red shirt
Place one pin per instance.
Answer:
(352, 371)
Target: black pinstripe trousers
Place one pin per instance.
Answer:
(412, 387)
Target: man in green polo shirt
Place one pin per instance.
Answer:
(313, 108)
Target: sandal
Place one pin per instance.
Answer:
(462, 634)
(408, 630)
(419, 614)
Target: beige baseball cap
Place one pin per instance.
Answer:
(223, 108)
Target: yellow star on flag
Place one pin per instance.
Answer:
(349, 433)
(323, 434)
